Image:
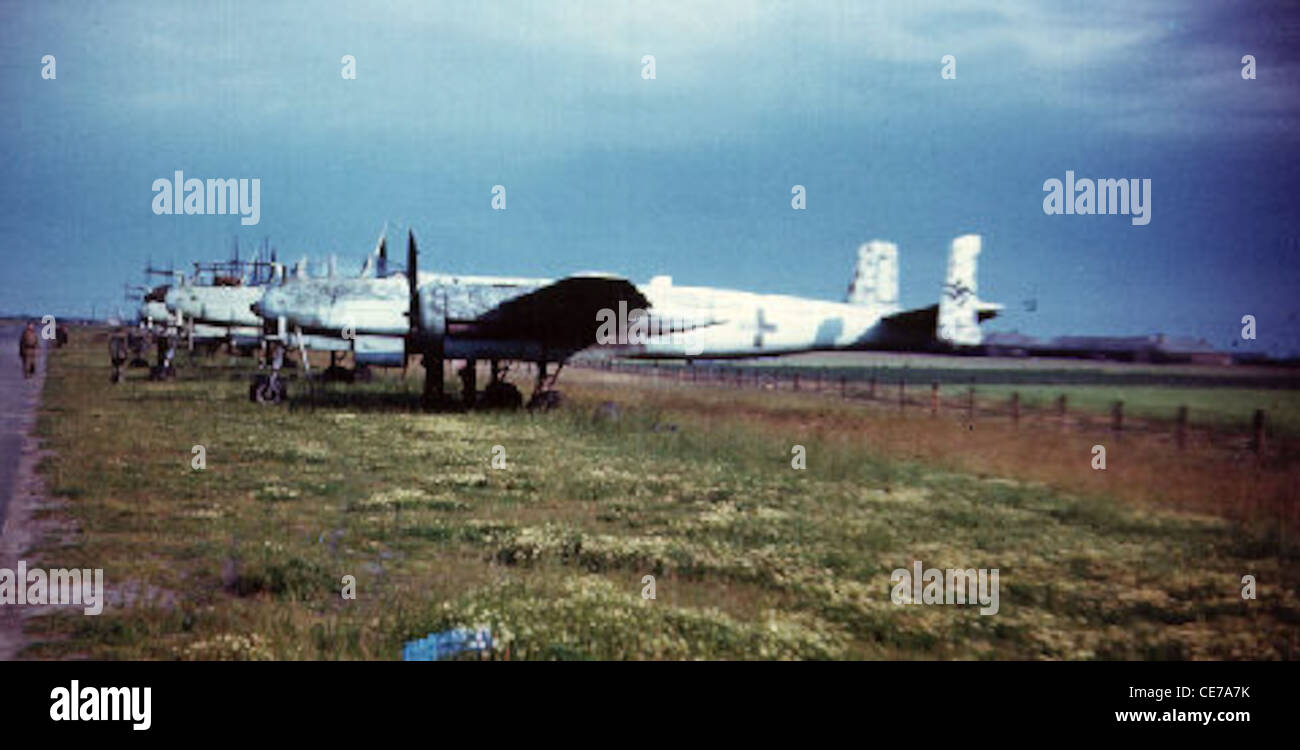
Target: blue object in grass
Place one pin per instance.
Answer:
(437, 646)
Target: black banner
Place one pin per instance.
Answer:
(232, 701)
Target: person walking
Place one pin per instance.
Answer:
(27, 344)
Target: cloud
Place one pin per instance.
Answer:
(545, 72)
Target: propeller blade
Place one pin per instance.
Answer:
(412, 279)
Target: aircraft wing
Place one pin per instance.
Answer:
(559, 315)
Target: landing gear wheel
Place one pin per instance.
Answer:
(263, 391)
(501, 395)
(545, 400)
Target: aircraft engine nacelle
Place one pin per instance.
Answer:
(432, 312)
(381, 351)
(429, 323)
(427, 312)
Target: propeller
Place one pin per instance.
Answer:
(428, 343)
(412, 279)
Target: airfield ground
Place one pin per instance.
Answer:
(638, 476)
(1219, 397)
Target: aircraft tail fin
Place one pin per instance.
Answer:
(376, 263)
(875, 280)
(959, 307)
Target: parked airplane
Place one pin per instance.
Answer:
(704, 322)
(212, 305)
(545, 321)
(279, 335)
(218, 308)
(156, 323)
(198, 314)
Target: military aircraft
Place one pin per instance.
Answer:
(155, 323)
(212, 305)
(546, 321)
(704, 322)
(366, 315)
(279, 336)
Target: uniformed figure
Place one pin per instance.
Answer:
(118, 354)
(27, 344)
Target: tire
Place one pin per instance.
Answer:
(501, 395)
(262, 391)
(546, 400)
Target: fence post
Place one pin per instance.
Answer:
(1060, 409)
(796, 381)
(934, 398)
(1258, 443)
(1117, 416)
(1180, 431)
(902, 392)
(970, 404)
(1015, 409)
(844, 391)
(871, 391)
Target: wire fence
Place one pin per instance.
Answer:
(911, 392)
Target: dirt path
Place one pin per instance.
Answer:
(20, 489)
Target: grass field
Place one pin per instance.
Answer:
(1034, 367)
(753, 559)
(1222, 407)
(1217, 397)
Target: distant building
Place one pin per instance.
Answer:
(1189, 349)
(1156, 348)
(1009, 344)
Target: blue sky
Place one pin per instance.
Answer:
(688, 174)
